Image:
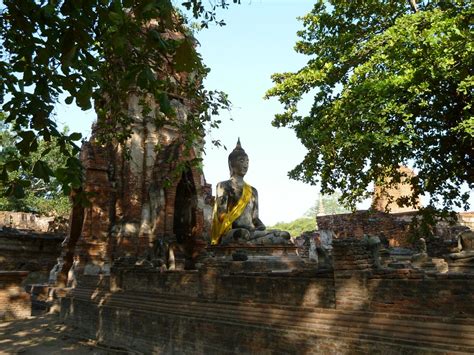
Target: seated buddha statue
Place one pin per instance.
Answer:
(235, 215)
(465, 248)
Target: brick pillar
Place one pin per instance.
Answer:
(352, 267)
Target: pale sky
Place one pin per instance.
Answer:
(257, 41)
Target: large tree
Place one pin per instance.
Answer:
(393, 85)
(91, 52)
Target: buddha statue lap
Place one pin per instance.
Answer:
(235, 216)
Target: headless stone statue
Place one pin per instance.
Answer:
(373, 245)
(422, 254)
(53, 274)
(465, 248)
(235, 217)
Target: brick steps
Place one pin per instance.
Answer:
(413, 331)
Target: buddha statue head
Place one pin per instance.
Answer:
(238, 161)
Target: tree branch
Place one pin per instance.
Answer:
(413, 5)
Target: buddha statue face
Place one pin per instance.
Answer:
(239, 166)
(238, 161)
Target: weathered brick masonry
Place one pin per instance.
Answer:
(394, 227)
(354, 308)
(134, 202)
(24, 220)
(402, 291)
(26, 257)
(14, 300)
(139, 207)
(29, 251)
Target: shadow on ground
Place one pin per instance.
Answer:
(45, 335)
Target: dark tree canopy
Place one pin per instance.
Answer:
(92, 52)
(392, 85)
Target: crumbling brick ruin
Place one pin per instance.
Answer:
(148, 199)
(26, 257)
(15, 302)
(394, 228)
(386, 194)
(134, 207)
(228, 307)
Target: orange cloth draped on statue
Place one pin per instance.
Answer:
(220, 226)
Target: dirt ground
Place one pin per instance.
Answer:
(46, 335)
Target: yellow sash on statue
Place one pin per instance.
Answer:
(220, 228)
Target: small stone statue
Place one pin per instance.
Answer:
(72, 274)
(235, 216)
(422, 254)
(373, 245)
(53, 274)
(313, 252)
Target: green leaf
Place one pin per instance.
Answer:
(116, 18)
(165, 105)
(15, 190)
(4, 174)
(75, 136)
(185, 57)
(12, 165)
(379, 101)
(28, 142)
(46, 152)
(76, 47)
(128, 3)
(41, 170)
(84, 96)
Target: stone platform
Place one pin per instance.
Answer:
(466, 265)
(258, 258)
(254, 250)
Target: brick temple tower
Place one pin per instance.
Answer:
(146, 196)
(386, 194)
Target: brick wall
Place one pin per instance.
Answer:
(20, 250)
(407, 292)
(386, 194)
(353, 285)
(355, 310)
(411, 291)
(392, 226)
(14, 300)
(25, 220)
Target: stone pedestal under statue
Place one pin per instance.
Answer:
(256, 258)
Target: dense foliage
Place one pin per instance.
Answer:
(92, 52)
(296, 227)
(392, 85)
(40, 196)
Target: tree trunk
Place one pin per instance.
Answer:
(77, 219)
